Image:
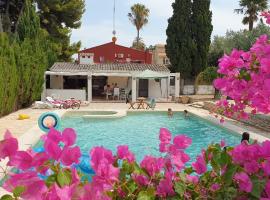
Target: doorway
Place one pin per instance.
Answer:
(143, 87)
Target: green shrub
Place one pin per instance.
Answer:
(207, 76)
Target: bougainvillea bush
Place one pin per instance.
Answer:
(219, 172)
(246, 79)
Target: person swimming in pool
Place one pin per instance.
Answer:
(170, 112)
(186, 113)
(245, 138)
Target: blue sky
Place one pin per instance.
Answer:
(97, 22)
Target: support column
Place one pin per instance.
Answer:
(89, 88)
(44, 91)
(168, 87)
(177, 85)
(134, 89)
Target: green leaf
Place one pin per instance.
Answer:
(127, 168)
(7, 197)
(189, 170)
(17, 192)
(258, 187)
(51, 180)
(224, 159)
(146, 195)
(228, 176)
(180, 188)
(64, 178)
(132, 186)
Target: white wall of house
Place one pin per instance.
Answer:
(188, 89)
(86, 58)
(56, 82)
(205, 89)
(66, 94)
(157, 89)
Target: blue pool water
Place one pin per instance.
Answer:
(140, 131)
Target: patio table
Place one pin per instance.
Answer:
(141, 102)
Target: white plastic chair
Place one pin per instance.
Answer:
(116, 93)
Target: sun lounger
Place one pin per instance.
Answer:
(41, 105)
(55, 103)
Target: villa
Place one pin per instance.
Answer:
(109, 64)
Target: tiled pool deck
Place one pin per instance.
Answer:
(28, 128)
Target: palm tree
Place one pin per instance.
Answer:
(251, 9)
(139, 17)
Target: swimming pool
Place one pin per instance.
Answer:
(140, 131)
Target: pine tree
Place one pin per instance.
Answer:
(201, 31)
(180, 45)
(58, 17)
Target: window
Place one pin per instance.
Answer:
(101, 59)
(172, 81)
(89, 56)
(166, 61)
(83, 56)
(120, 55)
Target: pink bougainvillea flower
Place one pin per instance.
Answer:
(140, 179)
(163, 147)
(98, 154)
(222, 143)
(70, 155)
(192, 179)
(8, 146)
(243, 181)
(34, 187)
(54, 135)
(52, 149)
(64, 193)
(215, 187)
(252, 166)
(200, 165)
(124, 153)
(69, 136)
(21, 160)
(267, 188)
(179, 158)
(182, 141)
(165, 136)
(266, 167)
(152, 165)
(165, 188)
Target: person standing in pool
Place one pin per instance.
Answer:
(186, 113)
(245, 138)
(170, 112)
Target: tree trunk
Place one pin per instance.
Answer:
(19, 17)
(138, 37)
(1, 24)
(6, 19)
(250, 24)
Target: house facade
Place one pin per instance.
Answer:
(159, 55)
(113, 53)
(111, 65)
